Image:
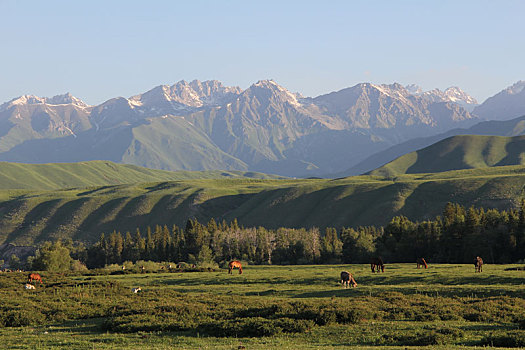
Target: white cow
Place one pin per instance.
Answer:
(29, 286)
(135, 290)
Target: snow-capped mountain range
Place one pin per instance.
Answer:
(206, 125)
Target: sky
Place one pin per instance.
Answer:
(97, 50)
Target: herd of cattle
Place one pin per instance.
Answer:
(347, 279)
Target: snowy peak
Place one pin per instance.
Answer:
(270, 90)
(414, 89)
(455, 94)
(65, 99)
(195, 94)
(452, 94)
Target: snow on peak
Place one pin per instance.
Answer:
(516, 88)
(65, 99)
(277, 90)
(193, 94)
(414, 89)
(455, 94)
(451, 94)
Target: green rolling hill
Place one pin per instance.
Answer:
(99, 173)
(459, 152)
(30, 216)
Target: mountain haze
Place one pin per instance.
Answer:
(507, 104)
(459, 152)
(207, 126)
(513, 127)
(100, 173)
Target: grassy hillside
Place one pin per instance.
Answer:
(98, 173)
(514, 127)
(459, 152)
(27, 216)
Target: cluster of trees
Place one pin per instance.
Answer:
(457, 236)
(59, 256)
(198, 243)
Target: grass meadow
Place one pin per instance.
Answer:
(267, 307)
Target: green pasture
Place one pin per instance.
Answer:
(267, 307)
(29, 217)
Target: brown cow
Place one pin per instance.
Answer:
(421, 262)
(34, 277)
(347, 278)
(377, 263)
(234, 264)
(478, 264)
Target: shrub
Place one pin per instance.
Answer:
(19, 318)
(349, 316)
(511, 339)
(520, 321)
(289, 325)
(325, 316)
(427, 316)
(477, 317)
(244, 327)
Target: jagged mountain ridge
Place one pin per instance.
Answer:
(206, 125)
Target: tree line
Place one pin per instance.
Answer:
(456, 236)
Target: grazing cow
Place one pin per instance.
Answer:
(478, 264)
(34, 277)
(234, 264)
(421, 262)
(377, 263)
(135, 290)
(347, 278)
(29, 286)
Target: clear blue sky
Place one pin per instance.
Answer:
(102, 49)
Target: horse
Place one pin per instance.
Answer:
(421, 262)
(233, 264)
(347, 278)
(478, 264)
(377, 263)
(34, 277)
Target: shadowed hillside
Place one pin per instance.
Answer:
(28, 216)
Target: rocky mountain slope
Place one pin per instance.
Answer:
(206, 125)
